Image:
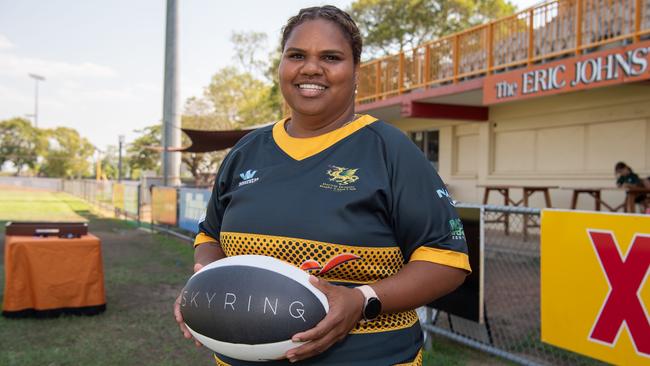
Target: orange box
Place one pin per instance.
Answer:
(52, 275)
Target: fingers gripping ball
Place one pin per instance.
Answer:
(248, 307)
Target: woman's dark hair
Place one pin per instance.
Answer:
(333, 14)
(620, 166)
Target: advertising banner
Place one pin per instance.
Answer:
(594, 284)
(467, 301)
(613, 66)
(193, 203)
(118, 196)
(164, 205)
(131, 199)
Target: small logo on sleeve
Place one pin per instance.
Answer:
(248, 177)
(457, 232)
(444, 193)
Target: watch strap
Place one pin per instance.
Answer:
(368, 293)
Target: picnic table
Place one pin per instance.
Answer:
(628, 205)
(527, 192)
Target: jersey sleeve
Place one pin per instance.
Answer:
(425, 222)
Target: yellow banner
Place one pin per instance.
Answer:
(118, 196)
(594, 284)
(164, 204)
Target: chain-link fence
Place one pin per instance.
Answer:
(512, 326)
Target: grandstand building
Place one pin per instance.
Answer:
(553, 95)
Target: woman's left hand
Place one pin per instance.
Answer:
(345, 308)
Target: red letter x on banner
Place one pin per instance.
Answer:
(625, 276)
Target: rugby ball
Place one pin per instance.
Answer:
(248, 307)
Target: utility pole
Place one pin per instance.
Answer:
(171, 118)
(36, 78)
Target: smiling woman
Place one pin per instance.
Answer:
(318, 71)
(346, 197)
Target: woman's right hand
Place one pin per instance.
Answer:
(179, 317)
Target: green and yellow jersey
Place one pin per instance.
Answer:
(353, 206)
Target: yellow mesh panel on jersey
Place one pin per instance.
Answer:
(386, 322)
(375, 264)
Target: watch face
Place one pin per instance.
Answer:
(373, 308)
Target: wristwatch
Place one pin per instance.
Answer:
(371, 304)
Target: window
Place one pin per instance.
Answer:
(427, 142)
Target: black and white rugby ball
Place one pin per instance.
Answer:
(248, 307)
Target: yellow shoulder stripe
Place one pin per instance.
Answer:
(302, 148)
(203, 238)
(442, 256)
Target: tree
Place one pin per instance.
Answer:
(141, 153)
(239, 98)
(247, 46)
(67, 155)
(109, 162)
(20, 144)
(390, 26)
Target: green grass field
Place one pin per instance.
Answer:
(32, 205)
(143, 275)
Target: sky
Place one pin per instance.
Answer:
(103, 60)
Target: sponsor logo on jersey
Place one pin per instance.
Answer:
(457, 232)
(248, 177)
(312, 266)
(341, 179)
(444, 193)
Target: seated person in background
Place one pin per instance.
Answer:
(625, 177)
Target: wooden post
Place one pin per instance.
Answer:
(416, 69)
(531, 30)
(637, 20)
(427, 64)
(578, 30)
(490, 45)
(377, 83)
(456, 57)
(400, 82)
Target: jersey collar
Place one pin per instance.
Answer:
(302, 148)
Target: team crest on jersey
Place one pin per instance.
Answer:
(340, 179)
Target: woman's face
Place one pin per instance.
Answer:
(317, 71)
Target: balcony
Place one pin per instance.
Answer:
(546, 32)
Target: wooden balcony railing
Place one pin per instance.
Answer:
(545, 32)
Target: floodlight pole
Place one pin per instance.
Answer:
(36, 78)
(171, 118)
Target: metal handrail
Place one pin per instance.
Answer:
(553, 29)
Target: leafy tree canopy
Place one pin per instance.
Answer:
(140, 152)
(20, 144)
(390, 26)
(67, 155)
